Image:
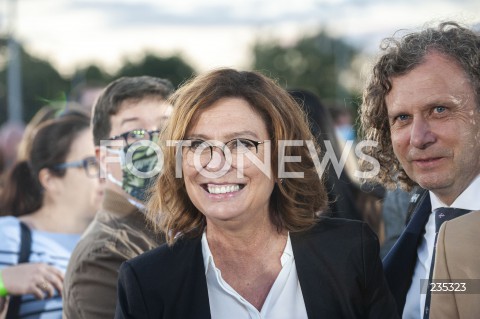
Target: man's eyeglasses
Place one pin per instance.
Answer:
(201, 152)
(137, 135)
(89, 164)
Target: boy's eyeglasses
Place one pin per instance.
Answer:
(137, 135)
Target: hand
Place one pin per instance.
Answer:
(32, 278)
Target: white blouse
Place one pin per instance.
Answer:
(284, 301)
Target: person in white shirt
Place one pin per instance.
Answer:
(421, 106)
(244, 236)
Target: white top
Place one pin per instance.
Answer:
(284, 301)
(50, 248)
(415, 302)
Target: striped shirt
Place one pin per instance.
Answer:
(51, 248)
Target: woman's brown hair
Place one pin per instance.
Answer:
(23, 193)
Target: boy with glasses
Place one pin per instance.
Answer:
(126, 120)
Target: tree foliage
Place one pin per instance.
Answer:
(42, 84)
(314, 63)
(173, 68)
(93, 74)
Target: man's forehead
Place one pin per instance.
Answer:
(147, 101)
(146, 113)
(149, 104)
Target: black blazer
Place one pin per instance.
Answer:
(400, 262)
(337, 263)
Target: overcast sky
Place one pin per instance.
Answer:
(208, 33)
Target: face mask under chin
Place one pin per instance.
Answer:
(139, 171)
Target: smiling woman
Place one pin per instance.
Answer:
(243, 242)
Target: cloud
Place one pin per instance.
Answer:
(145, 13)
(213, 13)
(211, 32)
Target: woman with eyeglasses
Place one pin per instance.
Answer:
(48, 201)
(240, 202)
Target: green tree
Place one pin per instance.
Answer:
(316, 63)
(90, 77)
(41, 83)
(173, 68)
(92, 74)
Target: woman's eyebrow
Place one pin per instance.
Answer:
(241, 133)
(227, 137)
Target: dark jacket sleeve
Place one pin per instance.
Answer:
(377, 294)
(130, 299)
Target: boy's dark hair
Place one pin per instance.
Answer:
(120, 90)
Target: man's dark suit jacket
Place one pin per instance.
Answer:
(400, 262)
(337, 262)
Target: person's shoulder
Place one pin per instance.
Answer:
(340, 241)
(10, 230)
(93, 237)
(340, 229)
(166, 256)
(96, 244)
(327, 224)
(9, 221)
(9, 240)
(461, 229)
(133, 227)
(104, 232)
(471, 219)
(104, 242)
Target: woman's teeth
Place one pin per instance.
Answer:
(222, 189)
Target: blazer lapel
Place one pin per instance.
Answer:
(199, 304)
(307, 269)
(314, 270)
(188, 292)
(400, 262)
